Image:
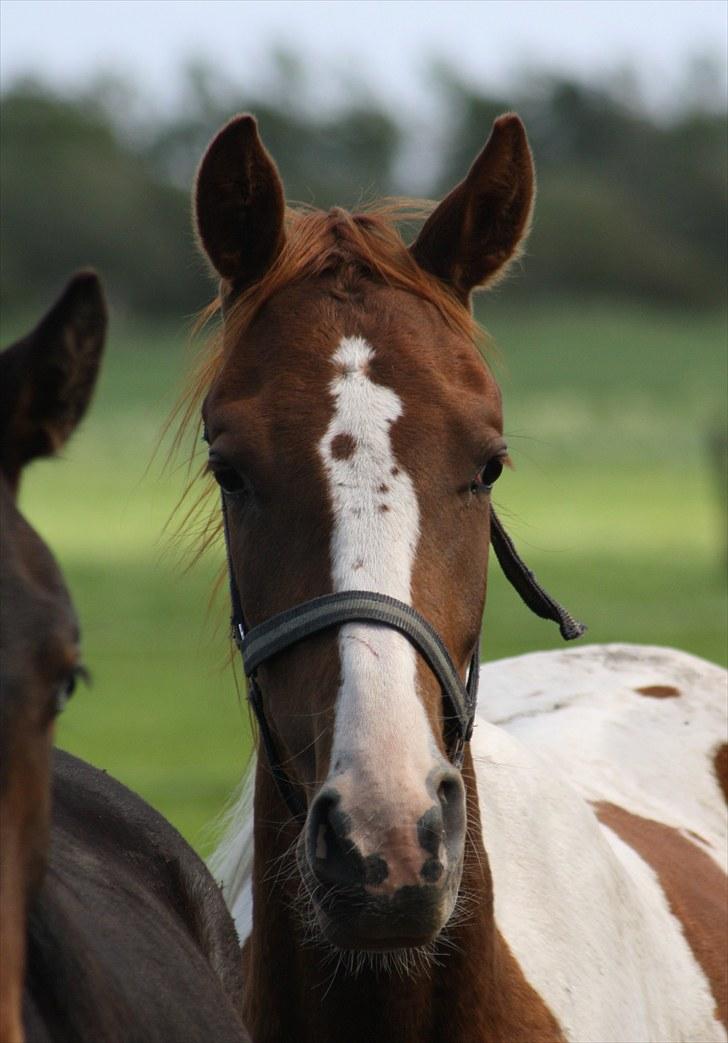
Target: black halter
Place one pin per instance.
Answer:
(348, 606)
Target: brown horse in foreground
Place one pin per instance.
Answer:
(356, 433)
(111, 928)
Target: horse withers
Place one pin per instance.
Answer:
(406, 883)
(110, 926)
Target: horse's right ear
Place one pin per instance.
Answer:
(47, 378)
(239, 204)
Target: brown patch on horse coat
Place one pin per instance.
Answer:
(343, 446)
(527, 1016)
(659, 691)
(720, 766)
(695, 888)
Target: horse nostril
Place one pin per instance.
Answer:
(430, 829)
(449, 791)
(320, 826)
(333, 857)
(451, 806)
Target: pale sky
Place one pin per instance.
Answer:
(387, 44)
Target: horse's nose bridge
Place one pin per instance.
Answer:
(378, 801)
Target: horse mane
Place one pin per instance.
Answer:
(368, 242)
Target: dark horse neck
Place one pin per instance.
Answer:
(474, 993)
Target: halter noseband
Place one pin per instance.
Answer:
(287, 628)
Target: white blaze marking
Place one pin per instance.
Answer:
(381, 728)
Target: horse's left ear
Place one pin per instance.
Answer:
(479, 228)
(239, 204)
(47, 378)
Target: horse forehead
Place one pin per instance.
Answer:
(290, 355)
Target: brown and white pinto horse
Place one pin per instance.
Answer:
(356, 433)
(111, 927)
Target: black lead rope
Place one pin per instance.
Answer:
(530, 590)
(347, 606)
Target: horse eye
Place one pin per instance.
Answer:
(229, 481)
(489, 474)
(67, 687)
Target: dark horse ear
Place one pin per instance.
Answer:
(239, 204)
(477, 230)
(47, 378)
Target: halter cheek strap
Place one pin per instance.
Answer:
(295, 624)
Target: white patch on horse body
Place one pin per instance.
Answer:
(584, 916)
(581, 709)
(382, 736)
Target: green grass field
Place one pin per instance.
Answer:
(613, 502)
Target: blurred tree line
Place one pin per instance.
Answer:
(629, 205)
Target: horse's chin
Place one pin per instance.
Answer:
(412, 918)
(341, 937)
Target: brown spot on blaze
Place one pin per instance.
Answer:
(695, 887)
(394, 472)
(358, 565)
(343, 446)
(659, 691)
(383, 488)
(720, 766)
(383, 507)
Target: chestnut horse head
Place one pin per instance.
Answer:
(356, 433)
(46, 382)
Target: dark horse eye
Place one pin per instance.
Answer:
(226, 476)
(67, 687)
(229, 481)
(489, 474)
